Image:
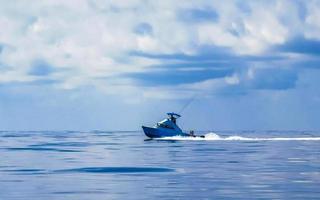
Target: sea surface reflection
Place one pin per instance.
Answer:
(123, 165)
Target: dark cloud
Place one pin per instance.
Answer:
(39, 82)
(41, 68)
(302, 10)
(244, 7)
(274, 79)
(205, 53)
(300, 45)
(198, 15)
(312, 63)
(208, 63)
(209, 53)
(143, 29)
(1, 48)
(174, 76)
(201, 65)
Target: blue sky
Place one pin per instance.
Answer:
(115, 65)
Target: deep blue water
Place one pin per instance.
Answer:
(99, 165)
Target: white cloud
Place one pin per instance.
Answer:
(313, 20)
(232, 80)
(92, 38)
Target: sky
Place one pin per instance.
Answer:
(117, 65)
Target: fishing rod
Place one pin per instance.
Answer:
(188, 102)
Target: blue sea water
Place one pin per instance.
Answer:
(97, 165)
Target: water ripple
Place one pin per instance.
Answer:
(116, 170)
(39, 149)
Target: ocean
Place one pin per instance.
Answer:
(96, 165)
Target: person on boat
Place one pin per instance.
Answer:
(173, 119)
(192, 134)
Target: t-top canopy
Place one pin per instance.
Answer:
(175, 115)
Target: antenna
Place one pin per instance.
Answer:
(188, 103)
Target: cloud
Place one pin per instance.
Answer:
(198, 15)
(143, 43)
(175, 77)
(143, 29)
(1, 48)
(93, 60)
(301, 45)
(273, 79)
(41, 68)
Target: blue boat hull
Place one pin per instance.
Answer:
(161, 132)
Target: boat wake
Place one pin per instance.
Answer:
(216, 137)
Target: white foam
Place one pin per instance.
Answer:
(216, 137)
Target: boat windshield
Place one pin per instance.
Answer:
(162, 125)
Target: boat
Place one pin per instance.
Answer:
(166, 128)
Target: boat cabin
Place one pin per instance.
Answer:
(170, 122)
